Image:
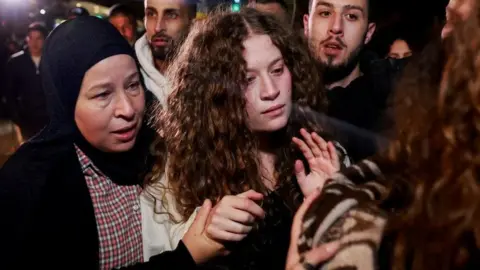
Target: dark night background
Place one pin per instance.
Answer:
(413, 20)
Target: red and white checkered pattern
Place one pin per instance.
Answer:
(118, 216)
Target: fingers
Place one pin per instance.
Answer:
(320, 254)
(332, 151)
(322, 144)
(300, 171)
(221, 235)
(298, 219)
(236, 215)
(198, 225)
(313, 145)
(230, 218)
(252, 195)
(306, 151)
(229, 225)
(245, 204)
(293, 255)
(239, 209)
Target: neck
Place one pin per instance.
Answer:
(348, 79)
(35, 54)
(266, 157)
(161, 65)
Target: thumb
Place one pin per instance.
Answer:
(300, 172)
(198, 225)
(322, 253)
(252, 195)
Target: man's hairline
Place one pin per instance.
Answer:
(184, 2)
(310, 6)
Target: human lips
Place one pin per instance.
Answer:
(332, 48)
(160, 41)
(274, 110)
(125, 134)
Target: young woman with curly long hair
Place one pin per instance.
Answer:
(429, 176)
(239, 83)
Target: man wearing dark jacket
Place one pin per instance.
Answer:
(24, 98)
(359, 85)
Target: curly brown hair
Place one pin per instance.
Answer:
(438, 149)
(211, 152)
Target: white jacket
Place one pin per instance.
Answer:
(159, 232)
(154, 80)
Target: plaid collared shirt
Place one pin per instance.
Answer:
(118, 216)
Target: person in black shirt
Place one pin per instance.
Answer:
(359, 84)
(23, 97)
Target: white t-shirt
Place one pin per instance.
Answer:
(36, 60)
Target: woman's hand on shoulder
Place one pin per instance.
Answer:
(322, 158)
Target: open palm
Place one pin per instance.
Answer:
(322, 159)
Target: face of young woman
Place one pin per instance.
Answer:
(111, 103)
(269, 90)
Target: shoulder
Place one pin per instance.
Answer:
(16, 57)
(29, 169)
(16, 61)
(159, 197)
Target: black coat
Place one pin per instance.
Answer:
(23, 94)
(365, 104)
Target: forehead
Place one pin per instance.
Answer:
(110, 68)
(35, 34)
(399, 44)
(340, 3)
(166, 4)
(260, 51)
(119, 18)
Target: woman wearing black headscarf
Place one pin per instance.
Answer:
(70, 197)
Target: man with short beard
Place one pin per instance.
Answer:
(166, 22)
(337, 31)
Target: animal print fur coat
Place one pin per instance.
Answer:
(346, 211)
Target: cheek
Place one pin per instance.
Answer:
(354, 37)
(93, 124)
(139, 105)
(318, 29)
(176, 28)
(249, 101)
(251, 107)
(150, 27)
(285, 85)
(129, 31)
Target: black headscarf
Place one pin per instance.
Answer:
(48, 214)
(70, 51)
